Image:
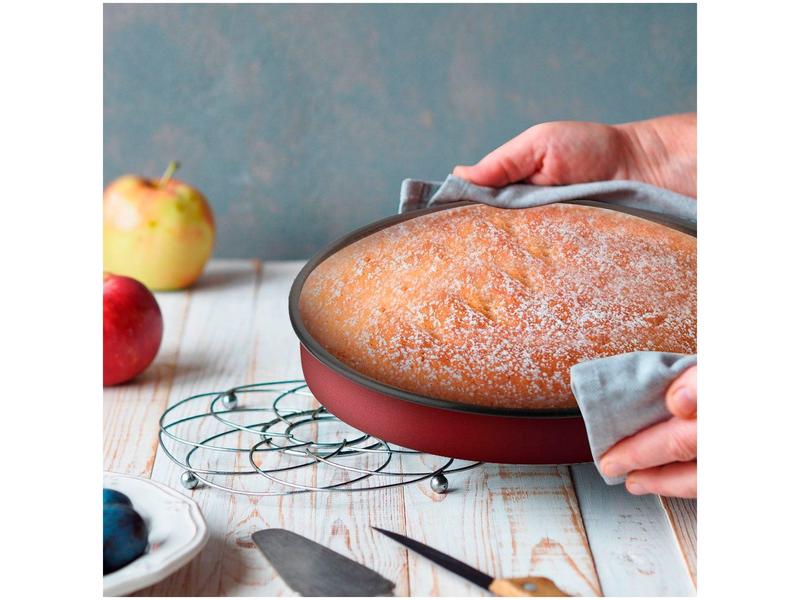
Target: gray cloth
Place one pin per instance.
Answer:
(416, 194)
(618, 395)
(623, 394)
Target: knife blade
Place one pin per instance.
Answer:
(311, 569)
(519, 586)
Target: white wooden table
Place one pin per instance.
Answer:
(563, 522)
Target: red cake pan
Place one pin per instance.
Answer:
(433, 425)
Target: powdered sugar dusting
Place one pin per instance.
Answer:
(490, 306)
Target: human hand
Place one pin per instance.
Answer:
(662, 459)
(659, 151)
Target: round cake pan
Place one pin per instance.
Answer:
(442, 427)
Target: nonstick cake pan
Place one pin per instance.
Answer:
(433, 425)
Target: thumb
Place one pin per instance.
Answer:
(491, 171)
(513, 161)
(487, 173)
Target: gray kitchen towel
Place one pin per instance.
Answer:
(617, 395)
(415, 194)
(620, 395)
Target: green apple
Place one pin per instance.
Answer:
(160, 232)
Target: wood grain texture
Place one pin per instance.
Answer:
(682, 514)
(632, 542)
(509, 521)
(214, 355)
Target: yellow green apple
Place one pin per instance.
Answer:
(160, 232)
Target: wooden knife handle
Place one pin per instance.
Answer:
(525, 586)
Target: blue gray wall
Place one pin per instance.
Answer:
(299, 122)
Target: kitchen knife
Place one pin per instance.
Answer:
(314, 570)
(519, 586)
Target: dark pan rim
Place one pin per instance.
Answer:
(330, 361)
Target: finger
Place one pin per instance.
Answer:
(515, 160)
(674, 440)
(675, 479)
(682, 394)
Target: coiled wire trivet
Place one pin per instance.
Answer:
(348, 456)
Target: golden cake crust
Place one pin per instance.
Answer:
(492, 307)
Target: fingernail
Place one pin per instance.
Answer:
(612, 469)
(635, 488)
(683, 400)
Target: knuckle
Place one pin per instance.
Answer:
(509, 167)
(650, 480)
(633, 457)
(682, 445)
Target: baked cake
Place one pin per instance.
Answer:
(490, 306)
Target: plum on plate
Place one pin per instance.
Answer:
(114, 497)
(124, 536)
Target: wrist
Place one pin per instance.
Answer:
(661, 151)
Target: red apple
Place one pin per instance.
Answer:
(132, 328)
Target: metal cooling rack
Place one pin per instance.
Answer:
(294, 446)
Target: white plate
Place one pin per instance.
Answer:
(176, 532)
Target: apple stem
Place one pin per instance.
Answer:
(171, 168)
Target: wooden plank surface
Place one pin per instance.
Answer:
(214, 355)
(632, 542)
(561, 522)
(507, 521)
(682, 514)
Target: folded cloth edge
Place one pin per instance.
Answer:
(417, 194)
